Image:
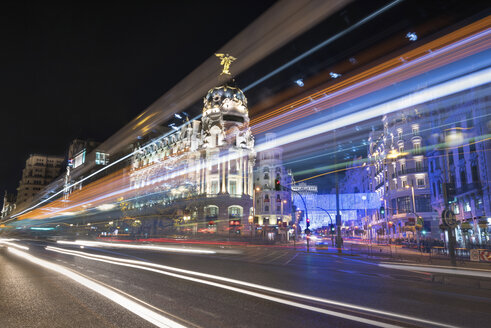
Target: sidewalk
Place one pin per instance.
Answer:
(399, 253)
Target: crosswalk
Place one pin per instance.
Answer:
(289, 257)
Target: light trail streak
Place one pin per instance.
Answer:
(146, 247)
(9, 242)
(323, 44)
(441, 90)
(150, 267)
(442, 146)
(434, 92)
(447, 49)
(442, 45)
(132, 306)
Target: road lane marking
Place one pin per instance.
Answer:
(288, 262)
(436, 269)
(169, 299)
(213, 315)
(150, 267)
(138, 309)
(279, 256)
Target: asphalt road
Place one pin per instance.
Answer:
(32, 295)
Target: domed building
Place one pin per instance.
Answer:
(201, 176)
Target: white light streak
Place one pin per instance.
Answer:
(138, 309)
(106, 207)
(441, 90)
(147, 247)
(149, 267)
(9, 243)
(309, 52)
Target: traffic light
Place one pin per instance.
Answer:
(333, 228)
(277, 185)
(308, 223)
(382, 210)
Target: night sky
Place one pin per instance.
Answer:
(84, 71)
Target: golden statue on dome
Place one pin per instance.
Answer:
(225, 61)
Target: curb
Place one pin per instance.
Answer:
(452, 280)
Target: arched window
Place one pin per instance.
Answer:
(266, 198)
(211, 211)
(234, 212)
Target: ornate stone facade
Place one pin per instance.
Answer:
(202, 173)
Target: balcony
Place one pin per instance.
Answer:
(422, 169)
(379, 185)
(474, 186)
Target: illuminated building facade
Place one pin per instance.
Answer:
(398, 173)
(39, 171)
(202, 175)
(273, 204)
(463, 162)
(8, 205)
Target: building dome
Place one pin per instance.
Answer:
(225, 113)
(226, 100)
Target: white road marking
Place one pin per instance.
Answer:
(288, 262)
(437, 269)
(208, 313)
(150, 267)
(135, 307)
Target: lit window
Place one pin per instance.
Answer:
(214, 187)
(232, 187)
(101, 158)
(467, 206)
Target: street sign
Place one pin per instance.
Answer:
(448, 219)
(307, 231)
(485, 256)
(474, 255)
